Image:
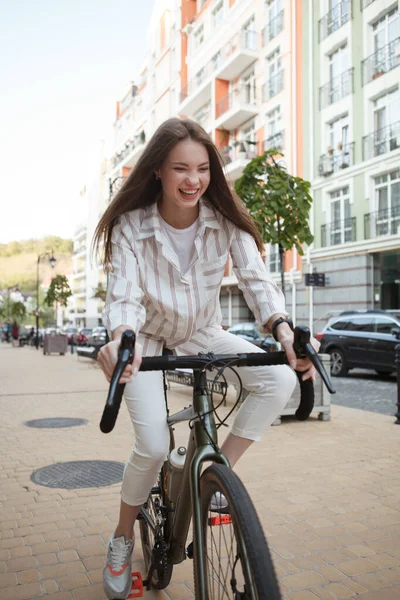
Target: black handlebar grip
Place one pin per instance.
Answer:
(125, 355)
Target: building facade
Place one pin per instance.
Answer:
(352, 109)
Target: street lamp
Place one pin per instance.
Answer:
(52, 262)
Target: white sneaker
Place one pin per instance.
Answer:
(219, 503)
(117, 576)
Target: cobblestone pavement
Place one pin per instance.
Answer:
(367, 391)
(327, 492)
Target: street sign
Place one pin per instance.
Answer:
(315, 279)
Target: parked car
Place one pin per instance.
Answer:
(364, 340)
(70, 332)
(250, 332)
(81, 337)
(97, 338)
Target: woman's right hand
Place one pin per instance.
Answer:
(108, 357)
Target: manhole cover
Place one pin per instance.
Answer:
(79, 474)
(56, 423)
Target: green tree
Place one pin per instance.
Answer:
(279, 202)
(58, 292)
(18, 311)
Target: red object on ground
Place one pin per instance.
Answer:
(220, 520)
(137, 586)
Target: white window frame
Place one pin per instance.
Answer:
(217, 15)
(198, 37)
(384, 220)
(340, 195)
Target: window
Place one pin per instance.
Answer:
(384, 325)
(273, 258)
(199, 37)
(338, 66)
(274, 129)
(338, 134)
(361, 324)
(274, 73)
(274, 18)
(386, 114)
(248, 86)
(216, 60)
(340, 325)
(341, 225)
(249, 34)
(202, 116)
(387, 202)
(218, 15)
(248, 135)
(386, 29)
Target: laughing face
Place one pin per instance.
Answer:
(185, 175)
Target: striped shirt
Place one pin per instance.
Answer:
(148, 291)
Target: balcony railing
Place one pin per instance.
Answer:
(334, 19)
(239, 96)
(365, 3)
(382, 222)
(336, 89)
(274, 142)
(339, 232)
(381, 141)
(383, 60)
(336, 159)
(236, 151)
(244, 39)
(272, 87)
(274, 27)
(129, 147)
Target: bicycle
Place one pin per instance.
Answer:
(238, 565)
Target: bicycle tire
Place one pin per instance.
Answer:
(152, 547)
(219, 478)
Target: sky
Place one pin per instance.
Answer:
(63, 66)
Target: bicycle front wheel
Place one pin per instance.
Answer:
(237, 561)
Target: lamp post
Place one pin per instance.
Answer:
(52, 262)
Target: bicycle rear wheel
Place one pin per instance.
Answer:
(229, 539)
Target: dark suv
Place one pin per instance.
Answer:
(249, 332)
(363, 340)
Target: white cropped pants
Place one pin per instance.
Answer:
(269, 388)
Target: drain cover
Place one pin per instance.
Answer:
(79, 474)
(56, 423)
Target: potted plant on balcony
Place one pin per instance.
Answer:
(330, 150)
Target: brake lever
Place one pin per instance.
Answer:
(303, 348)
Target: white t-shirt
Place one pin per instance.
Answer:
(182, 241)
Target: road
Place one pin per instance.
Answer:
(367, 391)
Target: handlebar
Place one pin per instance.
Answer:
(302, 347)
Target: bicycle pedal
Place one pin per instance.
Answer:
(137, 586)
(189, 550)
(220, 520)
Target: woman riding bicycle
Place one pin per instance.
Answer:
(167, 238)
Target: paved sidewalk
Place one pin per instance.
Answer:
(327, 492)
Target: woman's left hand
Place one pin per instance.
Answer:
(286, 337)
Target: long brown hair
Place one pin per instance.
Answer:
(142, 189)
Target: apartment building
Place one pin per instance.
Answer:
(232, 65)
(352, 109)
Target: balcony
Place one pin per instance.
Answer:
(382, 61)
(334, 19)
(236, 157)
(274, 27)
(382, 222)
(339, 232)
(336, 159)
(381, 141)
(131, 152)
(336, 89)
(272, 87)
(236, 108)
(238, 54)
(274, 142)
